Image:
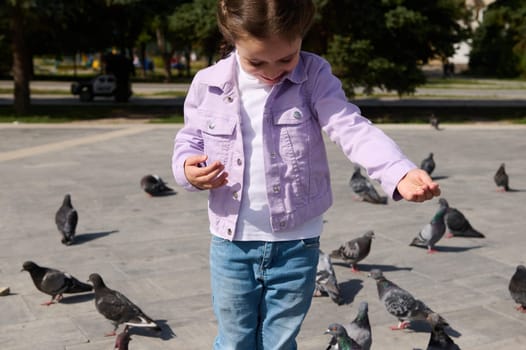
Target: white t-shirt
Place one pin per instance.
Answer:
(254, 215)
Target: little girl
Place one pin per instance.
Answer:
(253, 138)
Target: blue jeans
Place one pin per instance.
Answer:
(261, 291)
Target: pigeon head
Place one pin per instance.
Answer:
(122, 340)
(369, 234)
(96, 280)
(363, 307)
(521, 269)
(67, 199)
(336, 330)
(376, 274)
(443, 203)
(29, 266)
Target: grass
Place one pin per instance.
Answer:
(163, 114)
(66, 114)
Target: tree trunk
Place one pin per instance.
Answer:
(21, 60)
(165, 53)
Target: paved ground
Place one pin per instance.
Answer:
(155, 250)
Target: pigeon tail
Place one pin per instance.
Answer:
(78, 286)
(143, 321)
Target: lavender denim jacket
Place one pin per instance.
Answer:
(310, 99)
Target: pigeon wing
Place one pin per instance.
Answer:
(53, 282)
(458, 225)
(113, 305)
(399, 302)
(70, 223)
(73, 285)
(517, 286)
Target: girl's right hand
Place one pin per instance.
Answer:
(203, 176)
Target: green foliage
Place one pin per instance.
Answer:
(384, 43)
(499, 43)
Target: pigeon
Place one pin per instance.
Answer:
(501, 179)
(155, 186)
(122, 340)
(428, 164)
(364, 189)
(432, 232)
(517, 288)
(66, 219)
(326, 283)
(400, 303)
(360, 328)
(117, 308)
(457, 224)
(54, 282)
(354, 250)
(434, 122)
(340, 339)
(439, 340)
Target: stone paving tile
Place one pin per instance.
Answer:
(155, 250)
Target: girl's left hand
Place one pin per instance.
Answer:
(417, 186)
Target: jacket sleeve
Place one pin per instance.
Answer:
(360, 140)
(188, 141)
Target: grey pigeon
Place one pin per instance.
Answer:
(326, 282)
(364, 189)
(432, 232)
(66, 219)
(117, 308)
(517, 288)
(155, 186)
(340, 339)
(400, 303)
(122, 340)
(502, 179)
(439, 339)
(360, 328)
(457, 224)
(434, 122)
(428, 164)
(54, 282)
(354, 250)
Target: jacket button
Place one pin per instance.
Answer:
(228, 99)
(297, 115)
(282, 224)
(275, 188)
(235, 195)
(229, 232)
(273, 155)
(239, 162)
(211, 125)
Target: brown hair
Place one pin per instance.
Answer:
(262, 19)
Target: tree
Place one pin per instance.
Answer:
(66, 26)
(384, 43)
(499, 43)
(194, 24)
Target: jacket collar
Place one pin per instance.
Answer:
(222, 74)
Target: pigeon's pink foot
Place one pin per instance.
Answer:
(521, 309)
(400, 326)
(48, 303)
(354, 269)
(432, 251)
(112, 334)
(449, 235)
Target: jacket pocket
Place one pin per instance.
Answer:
(218, 135)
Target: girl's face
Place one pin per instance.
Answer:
(268, 59)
